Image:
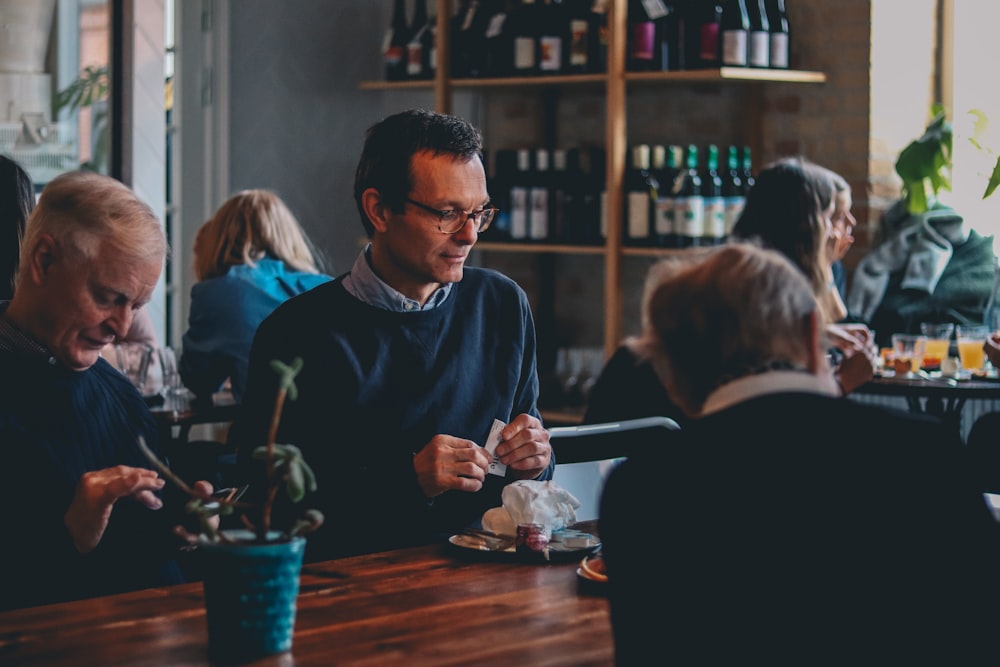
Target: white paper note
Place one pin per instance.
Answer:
(496, 468)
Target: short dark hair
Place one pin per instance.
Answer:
(392, 142)
(17, 199)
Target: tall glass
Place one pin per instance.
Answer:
(908, 352)
(970, 345)
(938, 341)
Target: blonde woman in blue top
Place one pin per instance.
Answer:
(250, 257)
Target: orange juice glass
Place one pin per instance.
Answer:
(908, 348)
(970, 346)
(938, 342)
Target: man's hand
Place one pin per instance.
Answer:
(524, 447)
(448, 463)
(98, 491)
(992, 348)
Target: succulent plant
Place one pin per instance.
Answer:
(285, 467)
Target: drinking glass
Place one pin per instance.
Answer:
(938, 341)
(908, 352)
(970, 345)
(173, 390)
(132, 360)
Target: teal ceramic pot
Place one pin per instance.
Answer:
(250, 594)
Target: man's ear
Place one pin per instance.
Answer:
(41, 258)
(376, 209)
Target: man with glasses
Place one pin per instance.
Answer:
(409, 359)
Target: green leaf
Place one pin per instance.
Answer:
(994, 180)
(295, 482)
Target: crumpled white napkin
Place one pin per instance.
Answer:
(531, 501)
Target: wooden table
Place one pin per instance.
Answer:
(935, 396)
(421, 606)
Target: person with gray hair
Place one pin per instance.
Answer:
(799, 527)
(411, 360)
(75, 479)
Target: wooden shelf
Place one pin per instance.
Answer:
(535, 248)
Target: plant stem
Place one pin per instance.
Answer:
(272, 487)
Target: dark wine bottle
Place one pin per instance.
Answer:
(520, 209)
(498, 44)
(577, 48)
(598, 36)
(420, 48)
(715, 205)
(759, 40)
(525, 24)
(689, 208)
(704, 34)
(641, 193)
(553, 36)
(732, 189)
(746, 170)
(664, 168)
(778, 20)
(539, 198)
(560, 197)
(394, 46)
(735, 27)
(504, 169)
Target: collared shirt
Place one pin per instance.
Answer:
(366, 286)
(772, 382)
(13, 339)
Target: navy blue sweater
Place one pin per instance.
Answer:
(377, 385)
(55, 425)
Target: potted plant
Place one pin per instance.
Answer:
(251, 575)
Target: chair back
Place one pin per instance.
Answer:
(585, 454)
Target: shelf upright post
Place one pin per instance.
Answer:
(615, 157)
(442, 73)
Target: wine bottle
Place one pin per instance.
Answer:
(735, 27)
(420, 47)
(759, 39)
(650, 23)
(519, 207)
(746, 170)
(598, 36)
(664, 170)
(732, 189)
(553, 34)
(715, 205)
(498, 45)
(560, 197)
(394, 45)
(703, 35)
(539, 197)
(689, 203)
(524, 35)
(504, 170)
(577, 47)
(778, 21)
(641, 193)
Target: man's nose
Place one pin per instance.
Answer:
(121, 321)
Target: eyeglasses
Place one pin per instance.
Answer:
(453, 220)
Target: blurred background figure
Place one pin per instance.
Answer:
(251, 256)
(17, 199)
(790, 209)
(771, 491)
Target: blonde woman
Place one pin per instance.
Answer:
(250, 257)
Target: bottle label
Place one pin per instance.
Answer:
(414, 59)
(578, 43)
(709, 51)
(760, 46)
(643, 39)
(638, 215)
(495, 26)
(551, 56)
(779, 50)
(518, 212)
(539, 213)
(690, 216)
(733, 208)
(664, 216)
(524, 53)
(734, 48)
(655, 9)
(715, 217)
